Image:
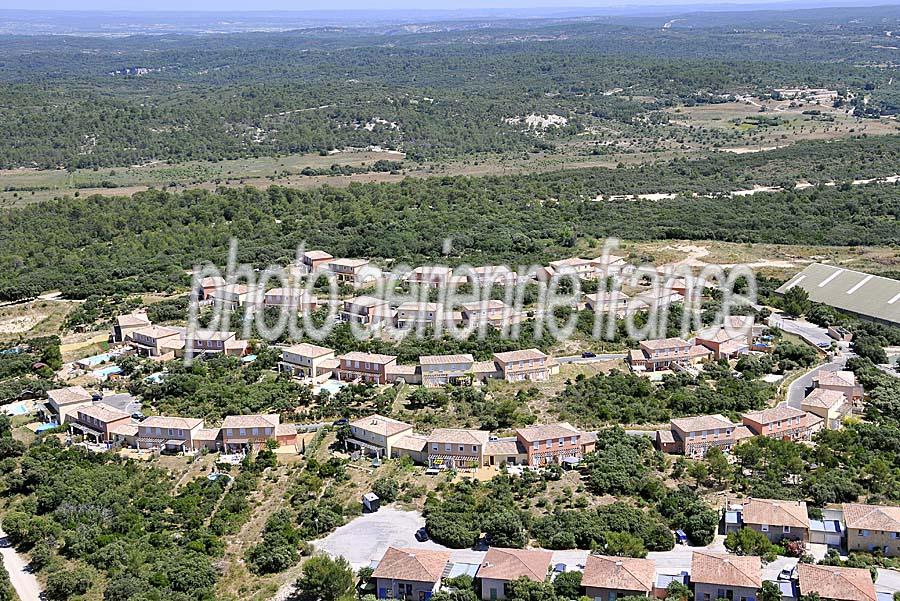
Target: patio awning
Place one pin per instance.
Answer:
(363, 444)
(87, 429)
(174, 443)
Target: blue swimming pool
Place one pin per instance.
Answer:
(47, 426)
(15, 409)
(332, 386)
(107, 371)
(96, 359)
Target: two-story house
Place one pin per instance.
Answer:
(723, 342)
(501, 566)
(242, 432)
(126, 324)
(419, 314)
(432, 276)
(169, 433)
(308, 361)
(315, 260)
(454, 448)
(63, 401)
(214, 343)
(830, 405)
(719, 576)
(441, 370)
(664, 353)
(208, 285)
(835, 583)
(873, 528)
(378, 434)
(694, 436)
(157, 341)
(409, 574)
(546, 444)
(777, 519)
(97, 421)
(840, 381)
(233, 296)
(366, 310)
(783, 422)
(495, 313)
(610, 578)
(365, 367)
(613, 302)
(492, 275)
(523, 365)
(293, 298)
(584, 269)
(354, 272)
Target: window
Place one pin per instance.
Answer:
(562, 442)
(474, 448)
(536, 445)
(786, 529)
(434, 447)
(864, 533)
(461, 448)
(447, 446)
(764, 528)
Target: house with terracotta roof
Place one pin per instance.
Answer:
(694, 436)
(523, 365)
(206, 343)
(177, 434)
(613, 302)
(240, 432)
(294, 298)
(777, 519)
(835, 583)
(508, 450)
(841, 381)
(492, 275)
(208, 285)
(126, 324)
(365, 367)
(584, 269)
(441, 370)
(308, 362)
(366, 310)
(654, 355)
(721, 576)
(423, 314)
(414, 446)
(494, 313)
(873, 528)
(354, 272)
(233, 296)
(724, 343)
(831, 405)
(378, 434)
(610, 578)
(432, 276)
(549, 443)
(97, 421)
(409, 574)
(501, 566)
(63, 401)
(455, 448)
(157, 341)
(314, 260)
(783, 422)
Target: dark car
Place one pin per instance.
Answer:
(341, 422)
(588, 355)
(421, 535)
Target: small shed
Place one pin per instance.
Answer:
(371, 502)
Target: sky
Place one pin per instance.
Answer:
(239, 5)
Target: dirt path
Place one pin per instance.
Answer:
(23, 581)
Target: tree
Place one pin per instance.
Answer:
(525, 589)
(677, 591)
(796, 301)
(568, 585)
(718, 464)
(622, 544)
(769, 592)
(65, 584)
(699, 472)
(386, 488)
(325, 579)
(747, 541)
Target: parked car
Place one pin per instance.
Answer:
(340, 422)
(422, 534)
(432, 471)
(137, 415)
(588, 355)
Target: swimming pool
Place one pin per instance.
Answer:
(47, 426)
(15, 409)
(95, 360)
(107, 371)
(332, 386)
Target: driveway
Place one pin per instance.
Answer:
(810, 332)
(796, 391)
(23, 581)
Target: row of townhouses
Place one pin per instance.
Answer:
(456, 448)
(415, 574)
(164, 343)
(825, 407)
(853, 526)
(317, 364)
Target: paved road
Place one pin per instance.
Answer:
(598, 358)
(799, 327)
(796, 391)
(25, 583)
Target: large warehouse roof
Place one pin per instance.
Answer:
(860, 293)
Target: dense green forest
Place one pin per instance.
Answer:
(104, 246)
(105, 102)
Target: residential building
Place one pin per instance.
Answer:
(492, 275)
(209, 285)
(873, 528)
(662, 354)
(308, 361)
(354, 272)
(415, 314)
(295, 298)
(454, 448)
(409, 574)
(378, 434)
(233, 296)
(209, 439)
(493, 312)
(414, 446)
(694, 436)
(546, 444)
(841, 381)
(612, 302)
(97, 421)
(215, 343)
(719, 576)
(610, 578)
(124, 434)
(582, 268)
(777, 519)
(366, 310)
(126, 324)
(157, 341)
(523, 365)
(169, 433)
(508, 450)
(784, 422)
(241, 432)
(724, 342)
(315, 260)
(432, 276)
(409, 374)
(63, 401)
(830, 405)
(441, 370)
(501, 566)
(835, 583)
(365, 367)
